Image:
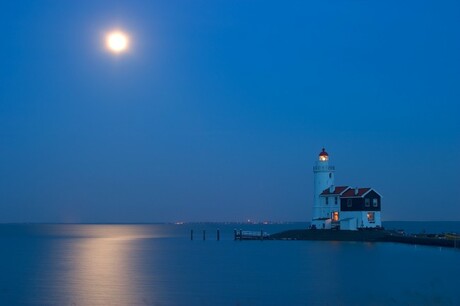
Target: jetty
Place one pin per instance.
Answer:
(250, 235)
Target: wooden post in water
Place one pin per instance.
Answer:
(218, 235)
(204, 234)
(261, 235)
(234, 234)
(191, 234)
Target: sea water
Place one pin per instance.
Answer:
(158, 264)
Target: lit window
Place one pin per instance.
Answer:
(335, 216)
(375, 202)
(336, 200)
(371, 217)
(349, 202)
(367, 202)
(327, 200)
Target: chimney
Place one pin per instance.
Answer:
(356, 190)
(331, 189)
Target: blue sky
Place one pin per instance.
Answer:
(220, 108)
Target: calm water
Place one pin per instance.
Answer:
(159, 265)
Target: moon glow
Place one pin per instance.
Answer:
(117, 42)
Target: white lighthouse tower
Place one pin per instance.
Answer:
(323, 179)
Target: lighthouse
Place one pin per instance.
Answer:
(323, 179)
(342, 207)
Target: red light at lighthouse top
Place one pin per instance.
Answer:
(323, 156)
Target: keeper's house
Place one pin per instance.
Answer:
(342, 207)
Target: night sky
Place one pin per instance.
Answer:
(219, 109)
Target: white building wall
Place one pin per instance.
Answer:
(361, 219)
(378, 218)
(349, 224)
(355, 215)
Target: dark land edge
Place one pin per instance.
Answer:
(368, 235)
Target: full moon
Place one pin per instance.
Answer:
(117, 41)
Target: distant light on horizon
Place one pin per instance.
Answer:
(117, 42)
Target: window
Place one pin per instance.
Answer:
(336, 200)
(327, 200)
(367, 202)
(375, 202)
(371, 217)
(349, 202)
(335, 216)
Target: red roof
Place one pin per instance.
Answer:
(351, 193)
(337, 190)
(323, 153)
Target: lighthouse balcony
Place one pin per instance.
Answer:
(323, 168)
